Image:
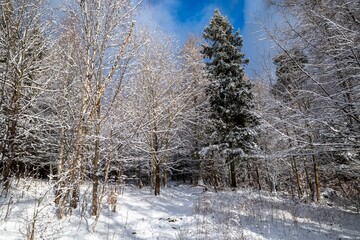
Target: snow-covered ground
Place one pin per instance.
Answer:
(180, 212)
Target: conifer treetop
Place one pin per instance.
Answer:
(228, 91)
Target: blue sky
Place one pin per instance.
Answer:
(182, 17)
(192, 11)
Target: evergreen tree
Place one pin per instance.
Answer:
(229, 93)
(290, 79)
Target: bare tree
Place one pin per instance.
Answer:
(27, 139)
(322, 113)
(163, 99)
(104, 29)
(196, 114)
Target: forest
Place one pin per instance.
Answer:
(91, 102)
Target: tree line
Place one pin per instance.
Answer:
(100, 99)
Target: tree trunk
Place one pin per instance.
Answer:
(75, 196)
(232, 174)
(82, 129)
(95, 178)
(198, 175)
(11, 135)
(157, 179)
(59, 184)
(258, 177)
(311, 187)
(297, 177)
(6, 176)
(316, 171)
(155, 160)
(138, 175)
(165, 178)
(151, 174)
(75, 168)
(214, 176)
(95, 172)
(316, 176)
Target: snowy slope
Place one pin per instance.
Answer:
(180, 212)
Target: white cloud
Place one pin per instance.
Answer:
(257, 46)
(158, 16)
(161, 16)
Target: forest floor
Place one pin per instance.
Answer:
(180, 212)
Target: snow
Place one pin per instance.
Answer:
(180, 212)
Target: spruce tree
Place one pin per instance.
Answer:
(290, 77)
(228, 91)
